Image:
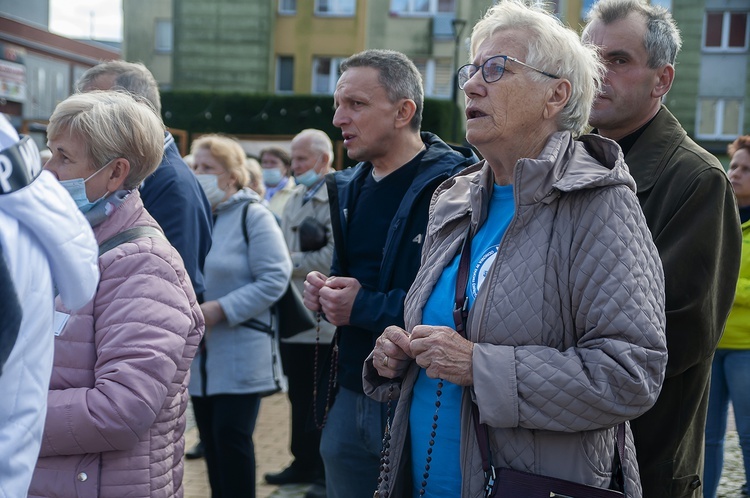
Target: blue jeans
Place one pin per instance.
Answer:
(730, 381)
(350, 445)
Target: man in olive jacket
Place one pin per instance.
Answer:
(691, 212)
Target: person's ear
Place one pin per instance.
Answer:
(406, 110)
(665, 75)
(325, 158)
(119, 174)
(234, 181)
(558, 96)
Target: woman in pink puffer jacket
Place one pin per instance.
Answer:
(116, 406)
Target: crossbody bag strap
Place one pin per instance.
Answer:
(244, 220)
(128, 235)
(460, 317)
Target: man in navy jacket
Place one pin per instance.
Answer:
(379, 215)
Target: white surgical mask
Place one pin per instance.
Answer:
(210, 186)
(77, 189)
(272, 176)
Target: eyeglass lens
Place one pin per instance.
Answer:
(492, 70)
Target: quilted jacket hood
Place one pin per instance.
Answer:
(67, 237)
(564, 165)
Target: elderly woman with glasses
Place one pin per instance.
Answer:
(535, 325)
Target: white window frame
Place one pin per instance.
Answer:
(167, 48)
(725, 32)
(410, 12)
(278, 74)
(428, 79)
(285, 10)
(333, 76)
(337, 8)
(718, 133)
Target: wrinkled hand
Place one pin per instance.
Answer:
(212, 313)
(443, 353)
(311, 294)
(337, 299)
(392, 354)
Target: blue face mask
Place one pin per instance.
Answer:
(272, 176)
(308, 178)
(77, 190)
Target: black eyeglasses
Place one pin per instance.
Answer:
(492, 70)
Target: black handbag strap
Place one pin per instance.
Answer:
(128, 235)
(460, 316)
(244, 219)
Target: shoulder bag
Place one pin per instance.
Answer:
(290, 311)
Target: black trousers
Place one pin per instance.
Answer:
(226, 423)
(298, 362)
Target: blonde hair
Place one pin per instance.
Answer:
(113, 124)
(551, 47)
(228, 152)
(255, 172)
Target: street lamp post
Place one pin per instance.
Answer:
(458, 26)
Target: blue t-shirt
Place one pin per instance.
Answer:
(445, 468)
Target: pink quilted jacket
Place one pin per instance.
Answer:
(116, 406)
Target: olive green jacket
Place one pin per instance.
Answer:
(692, 214)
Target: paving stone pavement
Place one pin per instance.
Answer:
(272, 454)
(271, 440)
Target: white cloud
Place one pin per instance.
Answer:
(99, 19)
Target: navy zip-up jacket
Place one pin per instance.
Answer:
(376, 309)
(173, 196)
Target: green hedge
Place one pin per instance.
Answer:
(259, 114)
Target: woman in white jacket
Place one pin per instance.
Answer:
(46, 243)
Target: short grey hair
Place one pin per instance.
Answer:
(398, 75)
(319, 141)
(131, 76)
(551, 47)
(662, 42)
(112, 125)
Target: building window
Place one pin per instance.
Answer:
(325, 74)
(667, 4)
(336, 7)
(719, 118)
(163, 36)
(287, 7)
(437, 77)
(422, 7)
(284, 74)
(725, 31)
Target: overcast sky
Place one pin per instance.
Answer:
(99, 19)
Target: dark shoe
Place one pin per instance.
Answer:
(291, 475)
(316, 491)
(195, 452)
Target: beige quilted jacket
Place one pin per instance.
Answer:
(568, 325)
